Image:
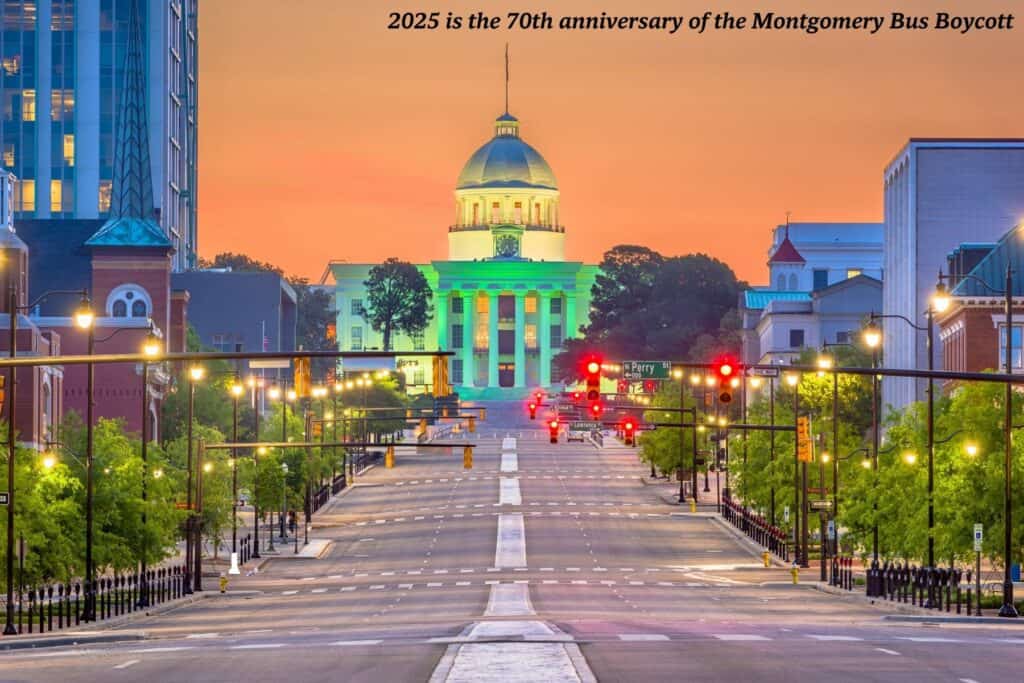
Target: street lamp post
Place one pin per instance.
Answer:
(236, 392)
(873, 338)
(256, 386)
(151, 349)
(195, 374)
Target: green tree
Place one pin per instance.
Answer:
(399, 299)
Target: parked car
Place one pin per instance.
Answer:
(574, 435)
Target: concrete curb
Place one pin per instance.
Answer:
(900, 608)
(8, 643)
(952, 619)
(756, 549)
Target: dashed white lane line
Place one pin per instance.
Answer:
(356, 643)
(125, 665)
(828, 637)
(888, 652)
(509, 462)
(739, 636)
(195, 636)
(510, 550)
(257, 646)
(641, 637)
(928, 639)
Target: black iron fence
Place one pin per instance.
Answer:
(56, 606)
(937, 588)
(841, 573)
(757, 528)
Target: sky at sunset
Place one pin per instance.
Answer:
(325, 136)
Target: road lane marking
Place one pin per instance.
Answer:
(828, 637)
(510, 550)
(201, 635)
(125, 665)
(641, 637)
(509, 600)
(928, 639)
(509, 462)
(356, 643)
(888, 652)
(739, 636)
(509, 493)
(257, 646)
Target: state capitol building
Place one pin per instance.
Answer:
(506, 299)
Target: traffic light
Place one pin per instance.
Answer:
(533, 410)
(540, 397)
(576, 396)
(595, 410)
(553, 430)
(629, 430)
(727, 372)
(592, 371)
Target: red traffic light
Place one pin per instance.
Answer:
(533, 406)
(628, 425)
(553, 424)
(595, 409)
(593, 367)
(728, 371)
(575, 396)
(533, 410)
(725, 369)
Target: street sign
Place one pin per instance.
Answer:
(4, 499)
(831, 528)
(270, 364)
(584, 426)
(646, 369)
(818, 491)
(764, 372)
(803, 439)
(978, 536)
(821, 504)
(646, 427)
(785, 514)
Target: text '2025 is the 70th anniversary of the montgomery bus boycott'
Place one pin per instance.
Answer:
(952, 22)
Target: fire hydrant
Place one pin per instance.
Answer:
(767, 557)
(693, 505)
(795, 571)
(223, 582)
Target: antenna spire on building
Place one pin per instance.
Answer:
(506, 77)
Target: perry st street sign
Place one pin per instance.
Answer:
(4, 499)
(646, 369)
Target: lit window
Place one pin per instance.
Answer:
(25, 195)
(55, 195)
(12, 65)
(1015, 355)
(517, 213)
(853, 272)
(531, 304)
(495, 212)
(9, 155)
(62, 104)
(69, 150)
(104, 195)
(483, 304)
(28, 105)
(530, 335)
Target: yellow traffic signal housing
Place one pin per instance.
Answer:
(303, 377)
(318, 429)
(803, 439)
(389, 457)
(441, 386)
(467, 457)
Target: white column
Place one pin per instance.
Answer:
(571, 324)
(441, 311)
(468, 312)
(492, 339)
(544, 336)
(520, 341)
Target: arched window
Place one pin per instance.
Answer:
(129, 300)
(780, 283)
(792, 282)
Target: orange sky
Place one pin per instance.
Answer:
(325, 136)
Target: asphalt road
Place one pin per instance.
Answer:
(570, 569)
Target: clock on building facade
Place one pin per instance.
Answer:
(506, 246)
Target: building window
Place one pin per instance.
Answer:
(103, 203)
(476, 214)
(792, 282)
(456, 371)
(530, 304)
(128, 301)
(418, 377)
(853, 272)
(530, 335)
(457, 304)
(796, 339)
(356, 307)
(55, 195)
(536, 214)
(556, 336)
(456, 336)
(483, 305)
(9, 154)
(495, 212)
(780, 283)
(25, 195)
(517, 213)
(417, 343)
(357, 338)
(1015, 354)
(69, 150)
(820, 278)
(28, 105)
(556, 305)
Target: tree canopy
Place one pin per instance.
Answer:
(399, 299)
